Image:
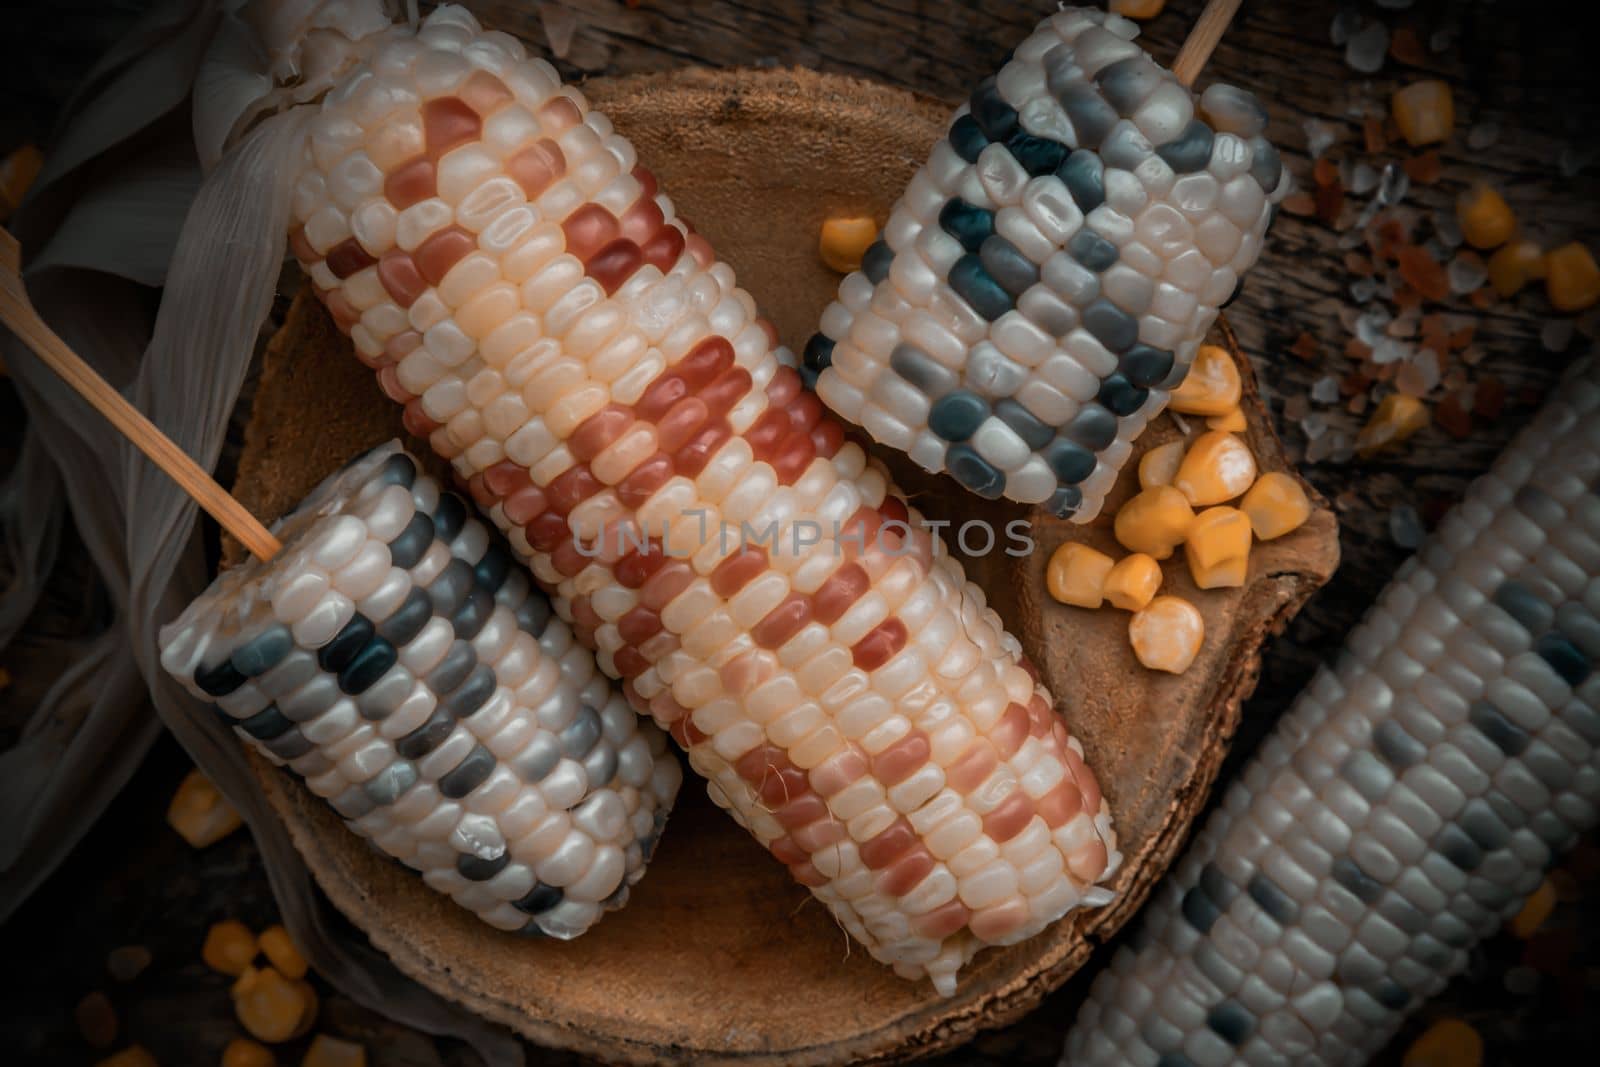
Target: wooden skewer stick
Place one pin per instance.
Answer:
(17, 312)
(1203, 39)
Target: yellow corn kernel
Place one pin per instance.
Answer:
(1425, 112)
(132, 1056)
(1396, 418)
(1154, 521)
(1211, 387)
(1218, 467)
(328, 1051)
(844, 241)
(1076, 575)
(280, 951)
(199, 813)
(308, 1014)
(1218, 548)
(1160, 465)
(242, 1052)
(1486, 218)
(1225, 574)
(1275, 505)
(230, 947)
(1535, 910)
(17, 172)
(1166, 634)
(1133, 581)
(269, 1006)
(1447, 1043)
(1137, 9)
(1515, 264)
(1233, 422)
(1571, 278)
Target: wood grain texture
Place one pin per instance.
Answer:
(719, 955)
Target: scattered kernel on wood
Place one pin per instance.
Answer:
(270, 1007)
(1137, 9)
(1571, 278)
(1453, 416)
(1424, 112)
(1232, 422)
(844, 241)
(17, 172)
(328, 1051)
(1423, 273)
(242, 1052)
(1218, 467)
(1373, 133)
(1276, 505)
(230, 947)
(1133, 581)
(1212, 386)
(280, 951)
(1166, 634)
(1076, 575)
(1160, 465)
(132, 1056)
(128, 962)
(1325, 171)
(1515, 264)
(1154, 521)
(1300, 203)
(1398, 417)
(1330, 202)
(199, 813)
(1535, 910)
(1305, 346)
(1424, 169)
(1447, 1043)
(1217, 547)
(96, 1019)
(1406, 47)
(1485, 217)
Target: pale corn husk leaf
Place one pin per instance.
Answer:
(232, 82)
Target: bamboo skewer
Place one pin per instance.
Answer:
(17, 312)
(1203, 39)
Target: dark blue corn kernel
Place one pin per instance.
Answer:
(533, 614)
(956, 416)
(1200, 910)
(408, 619)
(290, 745)
(974, 472)
(453, 668)
(1145, 365)
(473, 693)
(996, 118)
(973, 283)
(1092, 118)
(370, 664)
(1524, 605)
(1399, 911)
(491, 570)
(1024, 423)
(220, 680)
(1390, 994)
(1507, 736)
(473, 613)
(389, 784)
(478, 869)
(531, 931)
(1539, 505)
(450, 587)
(539, 758)
(539, 899)
(809, 377)
(1069, 461)
(398, 469)
(1174, 1059)
(1265, 166)
(1190, 150)
(1430, 951)
(1231, 1021)
(427, 737)
(468, 775)
(1121, 396)
(263, 652)
(336, 654)
(1038, 155)
(1007, 265)
(449, 516)
(967, 223)
(1272, 900)
(930, 376)
(875, 261)
(819, 352)
(1485, 828)
(1065, 501)
(1085, 178)
(600, 765)
(967, 138)
(410, 543)
(1110, 325)
(1092, 250)
(579, 737)
(1564, 658)
(1127, 83)
(265, 724)
(1397, 746)
(1353, 878)
(1093, 427)
(1216, 885)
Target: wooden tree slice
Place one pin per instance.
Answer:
(719, 955)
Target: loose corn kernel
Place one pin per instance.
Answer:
(1571, 278)
(1275, 505)
(1076, 575)
(17, 172)
(132, 1056)
(844, 241)
(1535, 910)
(1217, 467)
(1232, 422)
(1447, 1043)
(242, 1052)
(1486, 218)
(1218, 548)
(1211, 387)
(311, 1006)
(1160, 465)
(1154, 521)
(127, 962)
(1133, 581)
(328, 1051)
(230, 947)
(1515, 264)
(1137, 9)
(281, 952)
(1396, 418)
(269, 1006)
(1425, 112)
(199, 813)
(1166, 634)
(96, 1019)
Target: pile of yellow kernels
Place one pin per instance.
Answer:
(1202, 493)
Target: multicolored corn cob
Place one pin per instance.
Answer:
(615, 404)
(1406, 804)
(1051, 270)
(394, 656)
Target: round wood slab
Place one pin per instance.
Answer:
(719, 955)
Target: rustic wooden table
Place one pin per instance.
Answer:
(133, 881)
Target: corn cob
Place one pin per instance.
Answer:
(616, 406)
(395, 658)
(1406, 804)
(1051, 270)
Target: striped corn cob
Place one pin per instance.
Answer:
(589, 368)
(395, 657)
(1406, 804)
(1050, 272)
